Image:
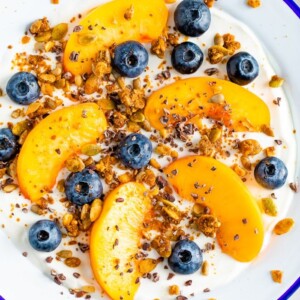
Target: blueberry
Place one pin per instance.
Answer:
(8, 144)
(130, 59)
(135, 151)
(242, 68)
(186, 58)
(271, 173)
(44, 235)
(23, 88)
(192, 17)
(186, 257)
(83, 187)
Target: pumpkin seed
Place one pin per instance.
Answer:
(86, 38)
(137, 117)
(64, 253)
(59, 31)
(215, 134)
(147, 265)
(91, 149)
(72, 262)
(43, 36)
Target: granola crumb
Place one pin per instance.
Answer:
(174, 290)
(294, 186)
(254, 3)
(277, 276)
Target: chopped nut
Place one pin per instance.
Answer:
(266, 129)
(276, 82)
(9, 188)
(88, 289)
(91, 85)
(96, 209)
(155, 164)
(218, 40)
(199, 209)
(72, 262)
(277, 276)
(147, 265)
(209, 3)
(126, 177)
(283, 226)
(174, 290)
(64, 253)
(249, 147)
(67, 218)
(238, 170)
(270, 151)
(48, 78)
(246, 163)
(205, 268)
(269, 207)
(36, 209)
(217, 98)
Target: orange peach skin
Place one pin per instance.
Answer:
(115, 238)
(241, 233)
(243, 110)
(106, 25)
(51, 142)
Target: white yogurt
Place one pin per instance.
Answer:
(222, 267)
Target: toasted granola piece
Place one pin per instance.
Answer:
(162, 245)
(159, 46)
(208, 225)
(205, 146)
(254, 3)
(249, 147)
(277, 276)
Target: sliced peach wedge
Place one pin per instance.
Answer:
(115, 238)
(240, 110)
(241, 233)
(113, 23)
(52, 141)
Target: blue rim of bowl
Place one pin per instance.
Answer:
(293, 6)
(291, 290)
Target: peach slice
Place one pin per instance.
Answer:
(51, 142)
(115, 238)
(214, 184)
(113, 23)
(241, 110)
